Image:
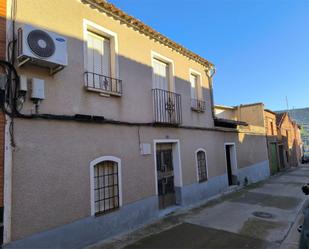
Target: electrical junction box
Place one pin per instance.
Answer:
(23, 84)
(37, 89)
(145, 149)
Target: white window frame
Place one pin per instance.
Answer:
(112, 36)
(93, 163)
(199, 87)
(170, 63)
(196, 165)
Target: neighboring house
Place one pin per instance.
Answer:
(289, 140)
(282, 134)
(272, 141)
(118, 130)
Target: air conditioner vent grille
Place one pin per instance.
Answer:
(41, 43)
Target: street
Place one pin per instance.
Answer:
(263, 215)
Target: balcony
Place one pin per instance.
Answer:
(103, 84)
(167, 107)
(198, 105)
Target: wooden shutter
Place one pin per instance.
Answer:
(98, 57)
(193, 81)
(161, 75)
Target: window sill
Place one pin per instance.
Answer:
(103, 93)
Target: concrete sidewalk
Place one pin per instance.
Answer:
(263, 215)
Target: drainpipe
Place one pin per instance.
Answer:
(210, 72)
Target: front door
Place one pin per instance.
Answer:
(281, 156)
(165, 173)
(229, 164)
(273, 158)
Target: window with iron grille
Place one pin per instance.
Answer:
(106, 187)
(201, 165)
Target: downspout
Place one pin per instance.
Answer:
(210, 72)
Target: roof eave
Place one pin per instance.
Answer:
(131, 21)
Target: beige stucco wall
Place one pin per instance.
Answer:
(65, 91)
(225, 113)
(252, 114)
(51, 179)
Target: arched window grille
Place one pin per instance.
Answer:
(106, 187)
(201, 166)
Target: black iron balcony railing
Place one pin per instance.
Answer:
(167, 107)
(102, 83)
(198, 105)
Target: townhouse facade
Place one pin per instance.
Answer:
(121, 132)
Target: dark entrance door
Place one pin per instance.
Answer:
(165, 173)
(273, 158)
(229, 164)
(281, 156)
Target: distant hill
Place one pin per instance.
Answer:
(301, 116)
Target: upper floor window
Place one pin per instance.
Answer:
(105, 185)
(201, 165)
(197, 102)
(101, 63)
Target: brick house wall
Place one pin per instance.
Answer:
(270, 123)
(288, 135)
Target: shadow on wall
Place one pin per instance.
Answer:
(124, 96)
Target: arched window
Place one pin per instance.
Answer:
(201, 165)
(105, 185)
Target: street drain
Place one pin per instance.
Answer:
(264, 215)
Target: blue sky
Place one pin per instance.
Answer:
(260, 47)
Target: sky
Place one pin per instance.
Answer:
(260, 48)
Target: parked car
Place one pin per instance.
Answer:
(305, 158)
(304, 229)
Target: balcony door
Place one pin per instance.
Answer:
(166, 103)
(98, 60)
(193, 81)
(161, 75)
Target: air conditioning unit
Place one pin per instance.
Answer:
(42, 48)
